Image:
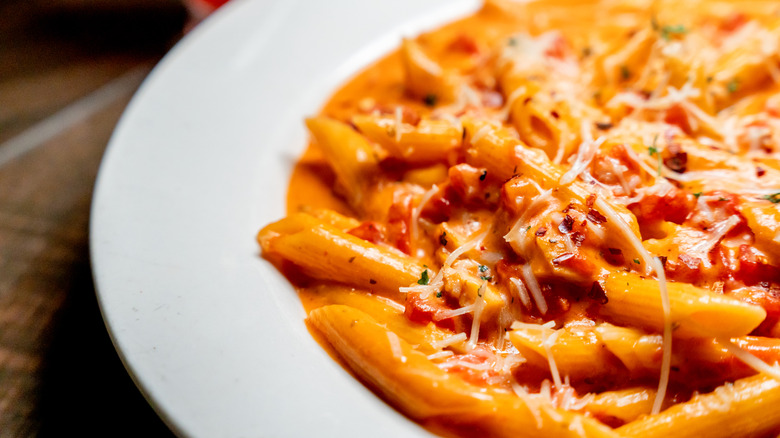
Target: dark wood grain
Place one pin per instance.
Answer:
(59, 373)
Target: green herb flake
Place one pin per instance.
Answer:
(653, 150)
(668, 31)
(722, 199)
(438, 294)
(625, 73)
(732, 86)
(430, 99)
(424, 279)
(637, 261)
(697, 194)
(483, 268)
(485, 278)
(774, 198)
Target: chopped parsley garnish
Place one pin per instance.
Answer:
(774, 198)
(424, 279)
(721, 199)
(697, 194)
(668, 31)
(653, 150)
(485, 277)
(625, 73)
(438, 294)
(483, 268)
(732, 86)
(430, 99)
(637, 261)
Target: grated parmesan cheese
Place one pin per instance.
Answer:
(547, 344)
(479, 305)
(750, 360)
(440, 355)
(448, 341)
(533, 285)
(416, 211)
(522, 292)
(395, 346)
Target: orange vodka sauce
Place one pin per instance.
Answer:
(552, 219)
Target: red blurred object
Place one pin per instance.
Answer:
(200, 9)
(215, 3)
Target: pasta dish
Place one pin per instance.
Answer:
(554, 218)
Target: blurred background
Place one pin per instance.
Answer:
(67, 70)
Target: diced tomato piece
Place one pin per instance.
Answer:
(371, 231)
(426, 310)
(399, 217)
(674, 206)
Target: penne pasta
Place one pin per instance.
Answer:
(695, 311)
(425, 392)
(743, 408)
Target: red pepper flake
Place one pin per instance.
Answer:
(555, 114)
(590, 200)
(677, 159)
(577, 238)
(596, 217)
(614, 256)
(562, 258)
(597, 293)
(541, 231)
(566, 224)
(760, 171)
(527, 100)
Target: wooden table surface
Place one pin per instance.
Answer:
(67, 70)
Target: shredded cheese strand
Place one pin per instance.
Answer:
(749, 360)
(666, 358)
(547, 344)
(450, 340)
(395, 346)
(533, 285)
(416, 211)
(479, 305)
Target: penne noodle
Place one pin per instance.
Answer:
(694, 311)
(744, 408)
(425, 392)
(428, 141)
(353, 159)
(325, 252)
